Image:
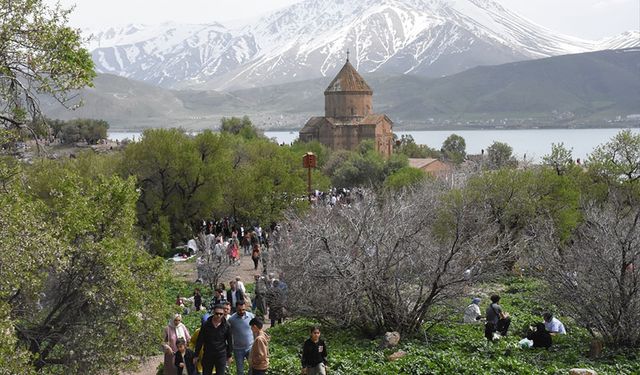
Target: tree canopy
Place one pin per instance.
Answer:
(40, 54)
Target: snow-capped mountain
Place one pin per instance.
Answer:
(309, 40)
(629, 39)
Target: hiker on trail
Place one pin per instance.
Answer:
(233, 252)
(259, 355)
(246, 242)
(260, 299)
(218, 298)
(540, 336)
(255, 256)
(173, 331)
(264, 255)
(197, 299)
(218, 250)
(497, 320)
(216, 341)
(234, 295)
(472, 312)
(227, 309)
(553, 325)
(184, 359)
(240, 285)
(275, 300)
(242, 335)
(314, 354)
(194, 340)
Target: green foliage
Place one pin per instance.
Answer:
(617, 160)
(454, 148)
(366, 167)
(185, 179)
(500, 155)
(411, 149)
(517, 198)
(239, 126)
(452, 347)
(41, 55)
(90, 130)
(560, 159)
(404, 177)
(83, 279)
(180, 180)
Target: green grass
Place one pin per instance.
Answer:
(455, 348)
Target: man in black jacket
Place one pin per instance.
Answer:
(215, 336)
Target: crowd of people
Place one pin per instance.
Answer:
(224, 338)
(497, 322)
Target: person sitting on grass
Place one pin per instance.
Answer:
(472, 312)
(553, 325)
(540, 336)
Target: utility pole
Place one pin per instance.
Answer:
(309, 160)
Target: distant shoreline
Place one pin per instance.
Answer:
(414, 128)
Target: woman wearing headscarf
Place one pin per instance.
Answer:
(173, 331)
(472, 312)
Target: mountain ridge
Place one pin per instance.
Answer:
(307, 40)
(562, 91)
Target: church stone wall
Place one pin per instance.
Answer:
(345, 104)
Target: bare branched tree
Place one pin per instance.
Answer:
(384, 262)
(595, 276)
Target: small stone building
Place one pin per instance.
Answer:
(348, 116)
(434, 167)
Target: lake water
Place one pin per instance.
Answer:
(534, 143)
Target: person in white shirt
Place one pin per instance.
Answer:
(240, 285)
(472, 313)
(193, 246)
(553, 325)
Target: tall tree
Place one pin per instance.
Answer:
(454, 148)
(86, 296)
(180, 181)
(500, 155)
(39, 54)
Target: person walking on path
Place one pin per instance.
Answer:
(242, 335)
(314, 354)
(184, 359)
(259, 356)
(216, 341)
(194, 340)
(255, 256)
(234, 295)
(260, 298)
(174, 331)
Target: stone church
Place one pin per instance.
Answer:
(348, 116)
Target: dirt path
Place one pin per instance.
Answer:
(187, 271)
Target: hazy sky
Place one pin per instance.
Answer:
(589, 19)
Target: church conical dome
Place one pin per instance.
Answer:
(348, 95)
(349, 80)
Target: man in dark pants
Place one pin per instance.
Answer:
(215, 336)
